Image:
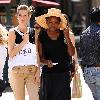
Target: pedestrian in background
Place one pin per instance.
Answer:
(23, 67)
(90, 52)
(3, 55)
(78, 23)
(55, 50)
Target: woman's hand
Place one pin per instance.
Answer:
(70, 45)
(12, 49)
(37, 77)
(66, 32)
(49, 63)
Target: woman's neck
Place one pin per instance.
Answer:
(23, 28)
(53, 31)
(53, 34)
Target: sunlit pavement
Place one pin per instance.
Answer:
(86, 93)
(9, 96)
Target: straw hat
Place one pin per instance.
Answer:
(41, 20)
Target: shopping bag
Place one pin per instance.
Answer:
(76, 86)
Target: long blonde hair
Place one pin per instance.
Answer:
(3, 35)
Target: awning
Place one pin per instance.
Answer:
(44, 3)
(76, 0)
(5, 1)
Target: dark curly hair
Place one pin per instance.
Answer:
(95, 14)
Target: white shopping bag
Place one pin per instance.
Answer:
(86, 92)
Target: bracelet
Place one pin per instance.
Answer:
(69, 43)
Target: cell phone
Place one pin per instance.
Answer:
(54, 63)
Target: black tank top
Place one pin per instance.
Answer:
(19, 39)
(55, 50)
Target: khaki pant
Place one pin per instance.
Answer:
(19, 77)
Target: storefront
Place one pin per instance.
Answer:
(7, 13)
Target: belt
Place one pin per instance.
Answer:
(97, 66)
(25, 69)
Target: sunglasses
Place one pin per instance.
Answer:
(37, 27)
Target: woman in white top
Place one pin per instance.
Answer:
(3, 54)
(23, 67)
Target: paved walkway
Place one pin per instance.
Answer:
(8, 95)
(86, 93)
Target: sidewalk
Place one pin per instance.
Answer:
(8, 95)
(86, 92)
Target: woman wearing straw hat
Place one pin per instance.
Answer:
(55, 50)
(3, 55)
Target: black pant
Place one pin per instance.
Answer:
(2, 87)
(55, 86)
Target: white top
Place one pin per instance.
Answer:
(27, 56)
(3, 55)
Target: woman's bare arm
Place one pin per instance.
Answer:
(12, 50)
(70, 43)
